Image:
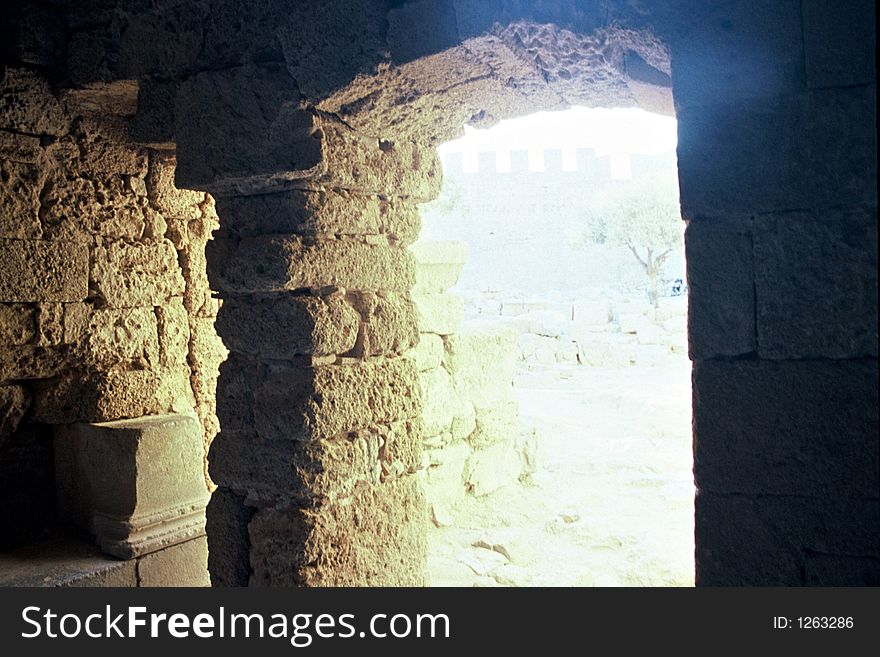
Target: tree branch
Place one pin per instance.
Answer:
(660, 259)
(636, 254)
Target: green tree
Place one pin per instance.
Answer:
(642, 214)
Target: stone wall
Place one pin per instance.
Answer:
(105, 310)
(313, 125)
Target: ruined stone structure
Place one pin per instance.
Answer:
(313, 126)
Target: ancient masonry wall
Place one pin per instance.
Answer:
(105, 310)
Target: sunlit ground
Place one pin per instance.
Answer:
(611, 503)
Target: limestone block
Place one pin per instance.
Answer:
(14, 403)
(184, 564)
(764, 540)
(537, 348)
(490, 468)
(274, 263)
(721, 290)
(812, 149)
(495, 424)
(481, 359)
(63, 561)
(123, 336)
(136, 275)
(291, 402)
(153, 124)
(316, 547)
(438, 264)
(320, 212)
(228, 543)
(33, 362)
(19, 148)
(439, 313)
(43, 271)
(786, 428)
(114, 477)
(80, 396)
(428, 352)
(444, 476)
(20, 200)
(816, 285)
(29, 105)
(739, 50)
(172, 324)
(465, 421)
(421, 28)
(258, 104)
(18, 323)
(440, 402)
(834, 39)
(309, 472)
(390, 322)
(284, 325)
(165, 196)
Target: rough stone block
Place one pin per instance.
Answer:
(317, 547)
(14, 403)
(812, 149)
(742, 49)
(43, 271)
(136, 275)
(228, 542)
(34, 362)
(283, 325)
(439, 313)
(258, 104)
(64, 562)
(80, 396)
(786, 428)
(18, 324)
(721, 290)
(327, 401)
(428, 353)
(20, 200)
(184, 564)
(153, 124)
(836, 39)
(273, 471)
(438, 265)
(29, 105)
(421, 28)
(481, 359)
(440, 402)
(816, 284)
(390, 322)
(19, 148)
(275, 263)
(767, 540)
(113, 477)
(165, 196)
(323, 212)
(444, 477)
(172, 325)
(490, 468)
(126, 335)
(495, 424)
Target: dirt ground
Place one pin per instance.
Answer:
(612, 501)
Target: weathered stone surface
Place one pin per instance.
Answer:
(481, 359)
(834, 43)
(816, 284)
(317, 547)
(228, 542)
(283, 325)
(490, 468)
(165, 196)
(28, 104)
(153, 125)
(312, 472)
(64, 562)
(428, 353)
(126, 335)
(14, 403)
(495, 424)
(172, 326)
(324, 212)
(444, 476)
(390, 322)
(18, 148)
(19, 201)
(275, 138)
(184, 564)
(112, 479)
(438, 264)
(327, 401)
(440, 403)
(18, 324)
(721, 290)
(742, 49)
(43, 271)
(439, 313)
(135, 275)
(765, 539)
(786, 428)
(275, 263)
(812, 149)
(33, 362)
